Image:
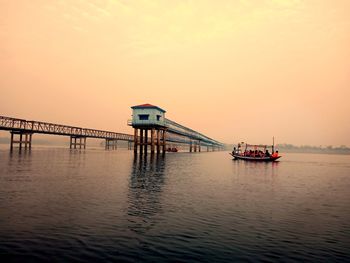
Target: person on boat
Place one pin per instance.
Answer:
(267, 154)
(275, 154)
(234, 151)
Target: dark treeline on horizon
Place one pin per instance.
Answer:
(284, 147)
(342, 149)
(330, 149)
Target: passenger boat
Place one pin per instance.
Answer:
(173, 149)
(257, 153)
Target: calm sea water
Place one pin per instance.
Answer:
(94, 205)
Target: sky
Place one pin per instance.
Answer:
(234, 70)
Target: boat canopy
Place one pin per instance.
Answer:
(257, 145)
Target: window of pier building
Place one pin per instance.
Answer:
(143, 117)
(158, 117)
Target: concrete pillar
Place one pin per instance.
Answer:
(135, 140)
(158, 141)
(11, 145)
(30, 141)
(146, 140)
(20, 141)
(25, 141)
(141, 141)
(164, 143)
(152, 140)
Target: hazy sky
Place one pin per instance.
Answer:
(233, 70)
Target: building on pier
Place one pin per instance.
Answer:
(147, 118)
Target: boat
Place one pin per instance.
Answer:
(256, 153)
(173, 149)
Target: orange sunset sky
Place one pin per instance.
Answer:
(233, 70)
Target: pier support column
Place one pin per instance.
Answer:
(152, 141)
(135, 140)
(199, 146)
(158, 141)
(20, 141)
(30, 141)
(11, 144)
(25, 139)
(146, 140)
(141, 141)
(164, 141)
(190, 146)
(75, 141)
(111, 144)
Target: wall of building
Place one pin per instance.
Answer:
(152, 120)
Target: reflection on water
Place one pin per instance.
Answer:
(17, 161)
(95, 205)
(263, 168)
(145, 189)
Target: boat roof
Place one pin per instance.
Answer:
(257, 145)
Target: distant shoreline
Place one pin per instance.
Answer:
(290, 148)
(313, 149)
(283, 148)
(315, 152)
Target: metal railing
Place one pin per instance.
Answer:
(21, 125)
(186, 134)
(179, 129)
(177, 132)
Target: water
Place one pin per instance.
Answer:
(67, 205)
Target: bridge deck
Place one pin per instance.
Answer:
(20, 125)
(178, 132)
(181, 130)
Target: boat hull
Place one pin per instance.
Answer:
(255, 159)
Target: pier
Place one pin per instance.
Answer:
(156, 133)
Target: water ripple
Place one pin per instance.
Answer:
(95, 205)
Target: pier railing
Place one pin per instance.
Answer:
(177, 133)
(21, 125)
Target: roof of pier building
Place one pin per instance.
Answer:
(147, 106)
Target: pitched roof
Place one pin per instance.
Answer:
(147, 105)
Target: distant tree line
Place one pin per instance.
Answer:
(285, 147)
(342, 149)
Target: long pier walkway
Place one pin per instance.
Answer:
(22, 131)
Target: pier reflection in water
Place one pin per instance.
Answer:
(145, 191)
(97, 205)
